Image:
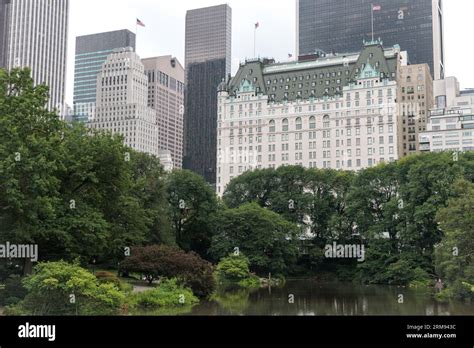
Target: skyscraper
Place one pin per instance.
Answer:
(91, 52)
(33, 33)
(341, 26)
(209, 35)
(166, 97)
(208, 62)
(122, 108)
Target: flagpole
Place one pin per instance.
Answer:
(372, 11)
(254, 40)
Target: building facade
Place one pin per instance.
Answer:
(91, 52)
(208, 61)
(415, 97)
(451, 123)
(166, 160)
(122, 102)
(34, 34)
(166, 96)
(339, 26)
(335, 112)
(209, 35)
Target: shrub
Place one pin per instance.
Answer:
(159, 261)
(168, 294)
(60, 288)
(234, 270)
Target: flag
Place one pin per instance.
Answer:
(376, 7)
(140, 23)
(257, 25)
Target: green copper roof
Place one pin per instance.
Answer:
(324, 76)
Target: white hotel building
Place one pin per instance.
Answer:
(337, 111)
(122, 102)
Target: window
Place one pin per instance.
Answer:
(326, 122)
(272, 126)
(299, 124)
(285, 124)
(312, 122)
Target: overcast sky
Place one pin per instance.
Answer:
(165, 28)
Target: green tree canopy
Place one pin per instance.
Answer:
(269, 241)
(192, 204)
(73, 191)
(455, 252)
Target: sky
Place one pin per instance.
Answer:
(165, 29)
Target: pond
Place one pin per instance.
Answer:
(307, 297)
(311, 297)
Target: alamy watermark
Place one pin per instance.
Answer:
(19, 251)
(345, 251)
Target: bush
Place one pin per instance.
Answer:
(159, 261)
(234, 270)
(60, 288)
(168, 294)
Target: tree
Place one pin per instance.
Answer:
(73, 191)
(149, 186)
(253, 186)
(454, 253)
(269, 241)
(192, 205)
(425, 187)
(60, 288)
(29, 136)
(158, 261)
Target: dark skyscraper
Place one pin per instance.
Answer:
(91, 53)
(341, 25)
(208, 61)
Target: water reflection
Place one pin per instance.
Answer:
(314, 298)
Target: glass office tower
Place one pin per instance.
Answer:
(341, 26)
(91, 53)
